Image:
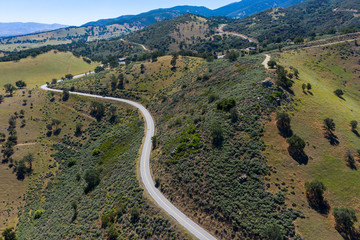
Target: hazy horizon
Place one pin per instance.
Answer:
(80, 12)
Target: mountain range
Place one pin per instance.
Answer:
(19, 28)
(128, 23)
(234, 10)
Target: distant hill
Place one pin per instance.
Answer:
(19, 28)
(306, 19)
(123, 25)
(248, 7)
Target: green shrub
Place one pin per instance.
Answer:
(95, 152)
(226, 104)
(38, 213)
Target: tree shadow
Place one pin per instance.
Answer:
(285, 132)
(57, 132)
(333, 139)
(322, 207)
(78, 133)
(299, 156)
(310, 93)
(356, 133)
(49, 133)
(348, 234)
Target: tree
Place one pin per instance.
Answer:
(298, 40)
(273, 232)
(53, 81)
(282, 79)
(296, 143)
(283, 124)
(232, 56)
(112, 112)
(21, 170)
(9, 234)
(97, 110)
(9, 88)
(69, 76)
(29, 158)
(303, 86)
(78, 129)
(121, 81)
(66, 95)
(20, 84)
(339, 93)
(272, 64)
(315, 194)
(135, 215)
(308, 86)
(217, 135)
(345, 219)
(1, 99)
(2, 137)
(353, 125)
(92, 179)
(173, 62)
(329, 125)
(99, 69)
(350, 161)
(113, 82)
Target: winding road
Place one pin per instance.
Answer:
(221, 31)
(145, 172)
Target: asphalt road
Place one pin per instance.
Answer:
(145, 172)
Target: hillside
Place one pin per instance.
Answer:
(188, 33)
(326, 68)
(307, 19)
(216, 139)
(61, 134)
(18, 28)
(117, 27)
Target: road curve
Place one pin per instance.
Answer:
(266, 61)
(145, 172)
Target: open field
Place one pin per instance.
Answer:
(43, 68)
(326, 68)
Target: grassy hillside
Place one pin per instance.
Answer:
(65, 36)
(43, 68)
(326, 69)
(62, 158)
(209, 119)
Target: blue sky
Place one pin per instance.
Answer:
(78, 12)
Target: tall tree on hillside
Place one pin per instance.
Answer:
(29, 158)
(121, 81)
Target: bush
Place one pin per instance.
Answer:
(92, 179)
(314, 193)
(217, 135)
(297, 143)
(95, 152)
(226, 104)
(38, 213)
(339, 93)
(345, 219)
(283, 124)
(272, 64)
(9, 234)
(353, 125)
